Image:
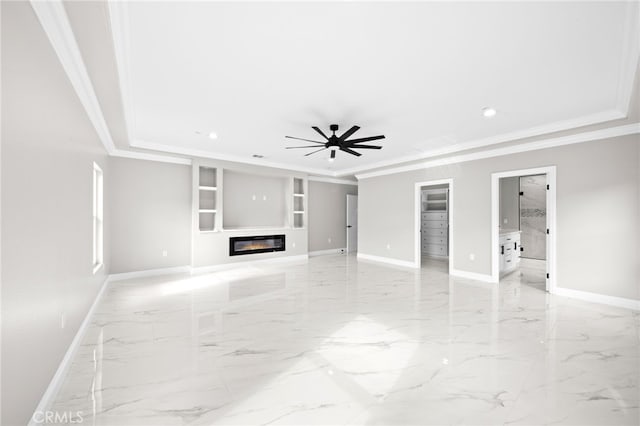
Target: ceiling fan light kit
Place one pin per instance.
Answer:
(335, 143)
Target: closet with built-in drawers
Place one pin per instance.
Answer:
(435, 222)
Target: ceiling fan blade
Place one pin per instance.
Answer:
(367, 139)
(320, 131)
(364, 147)
(333, 153)
(357, 154)
(308, 146)
(349, 132)
(306, 140)
(313, 152)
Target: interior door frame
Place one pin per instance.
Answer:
(417, 258)
(346, 230)
(550, 171)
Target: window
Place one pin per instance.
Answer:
(97, 219)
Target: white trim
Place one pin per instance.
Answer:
(150, 157)
(620, 302)
(149, 273)
(65, 364)
(54, 21)
(389, 260)
(154, 146)
(223, 266)
(472, 276)
(417, 210)
(332, 180)
(119, 20)
(326, 252)
(611, 132)
(630, 57)
(551, 262)
(588, 120)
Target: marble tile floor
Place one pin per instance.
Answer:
(531, 272)
(340, 341)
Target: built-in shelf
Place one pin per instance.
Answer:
(207, 198)
(298, 203)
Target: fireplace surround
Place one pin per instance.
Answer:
(256, 244)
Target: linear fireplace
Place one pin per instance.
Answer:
(256, 244)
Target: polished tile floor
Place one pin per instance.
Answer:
(337, 341)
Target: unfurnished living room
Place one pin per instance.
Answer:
(329, 213)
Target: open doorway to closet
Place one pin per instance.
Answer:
(525, 210)
(434, 230)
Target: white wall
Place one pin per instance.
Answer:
(150, 205)
(598, 207)
(48, 150)
(328, 215)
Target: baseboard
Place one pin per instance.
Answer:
(325, 252)
(620, 302)
(223, 266)
(472, 276)
(149, 273)
(65, 364)
(391, 261)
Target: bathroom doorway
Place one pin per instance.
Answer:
(523, 235)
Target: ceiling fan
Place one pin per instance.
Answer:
(335, 143)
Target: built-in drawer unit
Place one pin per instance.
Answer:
(435, 249)
(434, 232)
(434, 224)
(434, 221)
(434, 240)
(434, 216)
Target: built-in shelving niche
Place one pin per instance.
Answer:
(207, 190)
(298, 203)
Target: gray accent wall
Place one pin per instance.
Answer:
(598, 208)
(328, 215)
(48, 150)
(509, 202)
(150, 204)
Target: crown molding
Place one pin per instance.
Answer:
(121, 153)
(119, 20)
(137, 143)
(332, 180)
(630, 57)
(610, 132)
(55, 23)
(558, 126)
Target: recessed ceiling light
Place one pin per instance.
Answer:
(489, 112)
(213, 135)
(258, 156)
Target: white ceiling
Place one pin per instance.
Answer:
(419, 73)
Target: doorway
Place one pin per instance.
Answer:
(352, 223)
(523, 227)
(434, 224)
